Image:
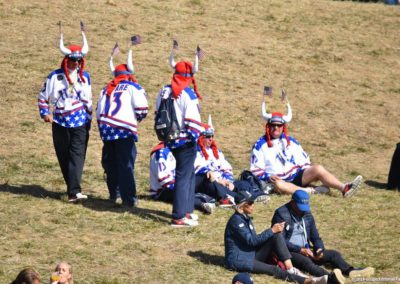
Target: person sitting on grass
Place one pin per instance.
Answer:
(304, 243)
(279, 159)
(247, 251)
(27, 276)
(63, 274)
(162, 179)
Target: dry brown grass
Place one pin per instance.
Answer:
(339, 62)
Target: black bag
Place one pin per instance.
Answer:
(256, 184)
(394, 173)
(166, 124)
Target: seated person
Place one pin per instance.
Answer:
(62, 274)
(27, 276)
(279, 159)
(245, 251)
(162, 179)
(213, 172)
(304, 243)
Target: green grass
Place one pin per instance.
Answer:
(337, 60)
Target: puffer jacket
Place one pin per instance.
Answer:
(242, 242)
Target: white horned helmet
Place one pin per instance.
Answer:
(276, 118)
(127, 68)
(74, 53)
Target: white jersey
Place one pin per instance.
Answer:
(279, 160)
(162, 171)
(220, 167)
(187, 111)
(72, 103)
(118, 115)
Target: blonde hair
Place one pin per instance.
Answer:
(70, 281)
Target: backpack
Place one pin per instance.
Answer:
(256, 184)
(166, 124)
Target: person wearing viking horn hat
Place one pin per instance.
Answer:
(187, 111)
(214, 175)
(68, 92)
(121, 107)
(279, 159)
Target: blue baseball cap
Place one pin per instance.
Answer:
(244, 196)
(242, 277)
(302, 200)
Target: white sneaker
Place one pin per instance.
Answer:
(192, 216)
(297, 272)
(262, 198)
(184, 223)
(352, 187)
(80, 196)
(320, 280)
(208, 207)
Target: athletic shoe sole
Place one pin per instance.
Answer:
(366, 272)
(339, 276)
(262, 198)
(355, 186)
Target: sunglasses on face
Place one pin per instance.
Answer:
(75, 59)
(276, 125)
(250, 203)
(209, 136)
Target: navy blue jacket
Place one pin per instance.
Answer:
(242, 242)
(283, 214)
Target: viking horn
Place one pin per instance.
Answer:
(129, 62)
(63, 49)
(112, 68)
(264, 113)
(196, 64)
(85, 47)
(210, 121)
(287, 118)
(172, 60)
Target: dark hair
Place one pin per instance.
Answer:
(26, 276)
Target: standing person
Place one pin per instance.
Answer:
(183, 148)
(122, 105)
(247, 251)
(279, 159)
(305, 244)
(162, 179)
(68, 90)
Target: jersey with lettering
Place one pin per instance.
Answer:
(118, 115)
(187, 111)
(278, 160)
(220, 167)
(72, 103)
(162, 171)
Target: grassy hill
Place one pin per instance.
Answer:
(339, 62)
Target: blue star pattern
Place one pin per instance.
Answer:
(108, 133)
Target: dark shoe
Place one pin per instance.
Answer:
(336, 277)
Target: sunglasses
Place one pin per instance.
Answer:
(250, 202)
(75, 59)
(209, 136)
(276, 125)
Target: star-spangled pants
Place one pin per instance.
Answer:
(70, 145)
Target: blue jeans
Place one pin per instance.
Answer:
(184, 180)
(118, 160)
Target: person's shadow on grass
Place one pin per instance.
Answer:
(376, 184)
(93, 203)
(30, 189)
(209, 259)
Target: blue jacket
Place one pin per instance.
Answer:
(242, 242)
(283, 213)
